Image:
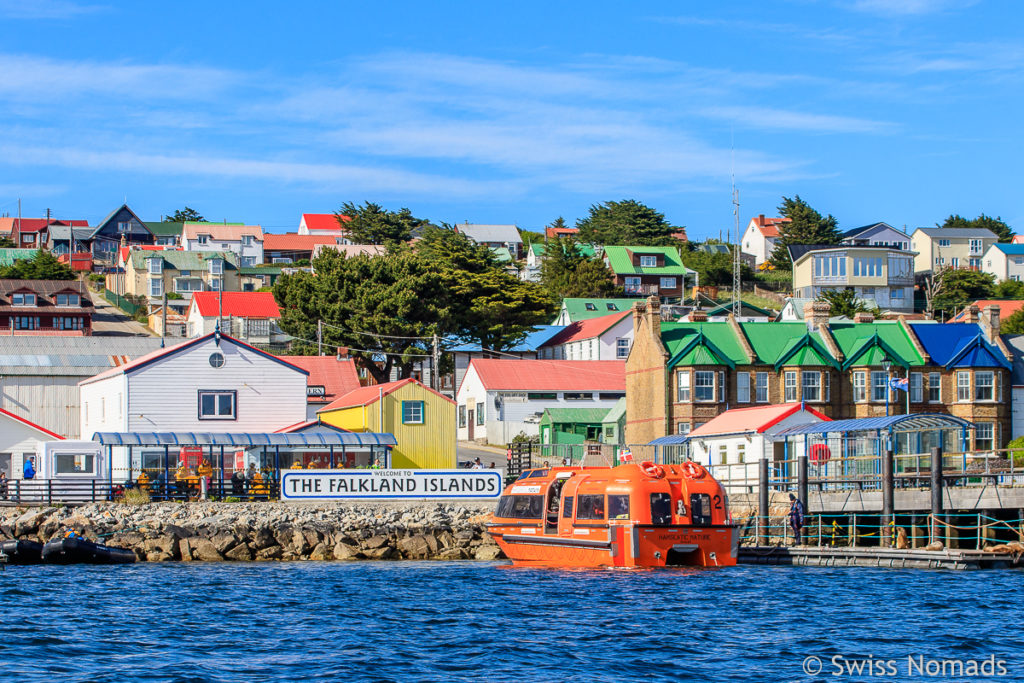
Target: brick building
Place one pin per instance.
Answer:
(681, 375)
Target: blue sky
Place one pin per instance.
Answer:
(897, 110)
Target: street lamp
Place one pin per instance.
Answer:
(886, 364)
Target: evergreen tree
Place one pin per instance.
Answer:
(997, 225)
(1014, 324)
(961, 288)
(187, 214)
(372, 224)
(626, 223)
(566, 272)
(43, 266)
(806, 226)
(845, 302)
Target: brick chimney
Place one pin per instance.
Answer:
(698, 315)
(863, 317)
(971, 314)
(654, 314)
(816, 314)
(990, 321)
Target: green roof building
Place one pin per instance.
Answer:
(646, 271)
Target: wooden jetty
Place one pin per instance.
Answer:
(824, 556)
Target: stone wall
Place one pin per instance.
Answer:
(214, 532)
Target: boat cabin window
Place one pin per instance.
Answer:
(567, 507)
(700, 509)
(590, 507)
(538, 473)
(618, 507)
(661, 508)
(74, 463)
(520, 507)
(523, 475)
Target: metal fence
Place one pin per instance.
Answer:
(121, 302)
(52, 491)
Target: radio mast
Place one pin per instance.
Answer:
(736, 306)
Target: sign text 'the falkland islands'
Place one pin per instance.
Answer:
(381, 484)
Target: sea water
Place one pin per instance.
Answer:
(473, 621)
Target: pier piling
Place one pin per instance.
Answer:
(888, 501)
(936, 532)
(762, 503)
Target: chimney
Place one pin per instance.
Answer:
(971, 314)
(698, 315)
(990, 322)
(654, 315)
(863, 317)
(760, 219)
(816, 314)
(639, 311)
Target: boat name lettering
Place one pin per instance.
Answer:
(685, 537)
(525, 489)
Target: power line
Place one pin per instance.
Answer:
(373, 351)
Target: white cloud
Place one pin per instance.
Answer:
(780, 119)
(46, 9)
(909, 7)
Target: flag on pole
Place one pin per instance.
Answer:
(900, 383)
(625, 455)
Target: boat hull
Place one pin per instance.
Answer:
(81, 551)
(22, 552)
(621, 545)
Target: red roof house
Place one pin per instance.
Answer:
(249, 316)
(321, 223)
(330, 378)
(742, 436)
(606, 337)
(1006, 309)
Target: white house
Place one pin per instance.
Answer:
(734, 442)
(1016, 345)
(248, 316)
(760, 235)
(244, 240)
(498, 399)
(608, 337)
(877, 235)
(324, 225)
(1005, 261)
(950, 247)
(19, 440)
(209, 384)
(463, 354)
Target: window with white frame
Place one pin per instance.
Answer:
(684, 386)
(462, 416)
(879, 385)
(215, 266)
(156, 287)
(648, 261)
(412, 412)
(741, 452)
(943, 243)
(704, 386)
(828, 385)
(247, 240)
(743, 387)
(916, 387)
(217, 405)
(954, 262)
(896, 294)
(156, 266)
(215, 284)
(935, 387)
(721, 387)
(122, 226)
(248, 261)
(963, 386)
(68, 300)
(860, 393)
(723, 454)
(761, 387)
(984, 386)
(984, 436)
(202, 238)
(668, 283)
(622, 348)
(789, 385)
(811, 381)
(633, 284)
(23, 299)
(683, 428)
(479, 413)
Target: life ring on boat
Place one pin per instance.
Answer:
(694, 470)
(652, 470)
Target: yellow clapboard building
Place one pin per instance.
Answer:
(422, 420)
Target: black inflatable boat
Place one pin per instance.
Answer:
(22, 552)
(80, 551)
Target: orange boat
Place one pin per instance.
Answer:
(633, 515)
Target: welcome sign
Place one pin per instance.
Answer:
(390, 484)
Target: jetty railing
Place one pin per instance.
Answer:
(54, 491)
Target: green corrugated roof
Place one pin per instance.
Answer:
(622, 264)
(9, 255)
(771, 340)
(851, 336)
(677, 336)
(164, 227)
(700, 355)
(184, 260)
(261, 270)
(576, 415)
(502, 254)
(577, 308)
(586, 249)
(616, 412)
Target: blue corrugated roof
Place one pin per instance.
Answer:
(533, 341)
(945, 342)
(242, 439)
(670, 440)
(1010, 249)
(899, 423)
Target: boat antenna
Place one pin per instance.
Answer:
(736, 285)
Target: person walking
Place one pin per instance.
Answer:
(796, 517)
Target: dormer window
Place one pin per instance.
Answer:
(612, 307)
(246, 240)
(648, 261)
(68, 300)
(202, 238)
(216, 266)
(156, 266)
(591, 307)
(23, 299)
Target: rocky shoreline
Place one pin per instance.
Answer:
(269, 531)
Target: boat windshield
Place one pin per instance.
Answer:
(520, 507)
(661, 508)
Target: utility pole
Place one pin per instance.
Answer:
(319, 337)
(736, 261)
(163, 330)
(435, 365)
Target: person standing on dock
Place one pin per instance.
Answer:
(796, 517)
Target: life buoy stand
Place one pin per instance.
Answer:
(652, 470)
(694, 470)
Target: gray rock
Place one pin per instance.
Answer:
(240, 553)
(343, 551)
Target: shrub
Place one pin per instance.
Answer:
(136, 496)
(1015, 451)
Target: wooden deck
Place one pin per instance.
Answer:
(814, 556)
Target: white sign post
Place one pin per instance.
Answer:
(390, 484)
